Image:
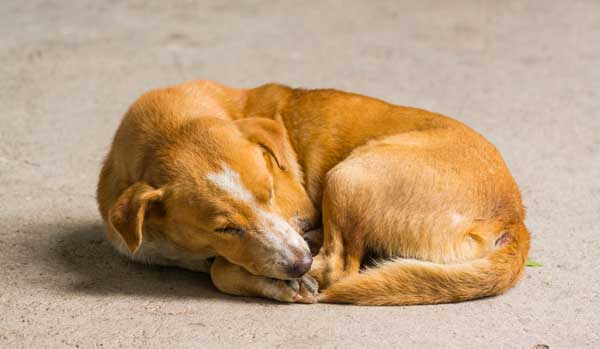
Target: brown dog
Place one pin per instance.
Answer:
(201, 171)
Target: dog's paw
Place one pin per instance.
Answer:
(310, 285)
(319, 271)
(303, 290)
(307, 289)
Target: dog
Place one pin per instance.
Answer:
(401, 206)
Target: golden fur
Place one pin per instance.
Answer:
(200, 171)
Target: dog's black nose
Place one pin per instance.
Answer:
(299, 267)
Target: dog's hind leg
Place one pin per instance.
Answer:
(342, 249)
(430, 206)
(385, 198)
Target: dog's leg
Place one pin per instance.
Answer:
(233, 279)
(342, 249)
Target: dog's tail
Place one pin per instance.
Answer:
(408, 282)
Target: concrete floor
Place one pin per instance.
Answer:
(524, 74)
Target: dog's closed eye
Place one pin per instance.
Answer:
(231, 230)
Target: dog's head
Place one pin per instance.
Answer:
(218, 187)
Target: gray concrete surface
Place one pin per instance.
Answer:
(523, 73)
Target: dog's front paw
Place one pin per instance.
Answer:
(303, 290)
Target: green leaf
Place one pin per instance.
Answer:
(532, 264)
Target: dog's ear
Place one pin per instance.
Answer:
(269, 134)
(126, 216)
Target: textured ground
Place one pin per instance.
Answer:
(524, 74)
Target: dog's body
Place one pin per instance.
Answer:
(204, 171)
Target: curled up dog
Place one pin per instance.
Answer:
(226, 181)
